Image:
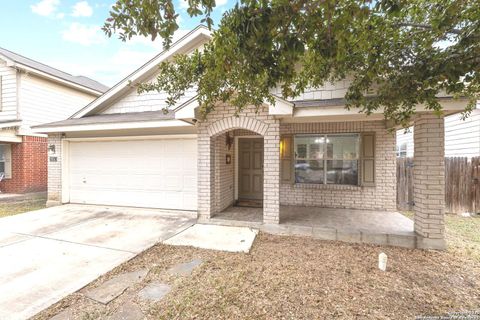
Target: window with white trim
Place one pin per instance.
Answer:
(5, 161)
(327, 158)
(1, 93)
(402, 150)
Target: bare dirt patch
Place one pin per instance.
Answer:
(294, 278)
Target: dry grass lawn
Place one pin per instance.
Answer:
(14, 207)
(463, 235)
(296, 278)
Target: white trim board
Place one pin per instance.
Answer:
(114, 126)
(120, 138)
(65, 176)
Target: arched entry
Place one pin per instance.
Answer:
(222, 181)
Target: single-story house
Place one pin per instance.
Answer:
(462, 137)
(32, 93)
(298, 156)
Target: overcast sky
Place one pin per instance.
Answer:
(66, 34)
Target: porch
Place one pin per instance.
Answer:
(297, 169)
(349, 225)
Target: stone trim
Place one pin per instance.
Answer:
(328, 186)
(222, 120)
(231, 123)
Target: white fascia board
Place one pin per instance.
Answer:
(187, 111)
(57, 79)
(128, 138)
(27, 131)
(114, 126)
(281, 107)
(9, 63)
(180, 46)
(9, 136)
(10, 124)
(449, 105)
(305, 112)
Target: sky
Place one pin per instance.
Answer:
(66, 34)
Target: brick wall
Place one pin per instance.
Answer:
(380, 197)
(429, 180)
(224, 191)
(211, 179)
(29, 166)
(225, 173)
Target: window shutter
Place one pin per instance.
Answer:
(286, 159)
(8, 161)
(368, 159)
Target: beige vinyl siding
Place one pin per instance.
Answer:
(329, 90)
(43, 101)
(148, 101)
(406, 137)
(462, 137)
(8, 99)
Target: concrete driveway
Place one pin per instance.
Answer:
(50, 253)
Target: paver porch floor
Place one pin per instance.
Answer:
(353, 225)
(352, 219)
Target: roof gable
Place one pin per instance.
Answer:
(15, 60)
(187, 43)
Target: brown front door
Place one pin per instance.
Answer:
(250, 168)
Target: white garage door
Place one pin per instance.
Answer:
(140, 173)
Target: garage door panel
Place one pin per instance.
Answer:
(141, 173)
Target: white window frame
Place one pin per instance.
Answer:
(1, 93)
(402, 150)
(325, 159)
(7, 160)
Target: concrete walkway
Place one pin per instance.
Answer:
(50, 253)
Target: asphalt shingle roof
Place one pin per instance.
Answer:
(79, 80)
(113, 118)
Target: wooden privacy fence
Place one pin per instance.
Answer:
(405, 184)
(462, 186)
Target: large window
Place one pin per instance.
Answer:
(327, 159)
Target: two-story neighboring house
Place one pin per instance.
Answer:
(32, 93)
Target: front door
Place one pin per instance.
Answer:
(250, 168)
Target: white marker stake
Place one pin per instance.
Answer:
(382, 261)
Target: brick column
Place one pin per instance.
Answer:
(206, 174)
(271, 175)
(55, 172)
(429, 181)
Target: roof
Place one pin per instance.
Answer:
(78, 80)
(191, 40)
(320, 103)
(10, 123)
(113, 118)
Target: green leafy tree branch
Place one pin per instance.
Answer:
(407, 51)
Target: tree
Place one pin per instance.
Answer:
(407, 51)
